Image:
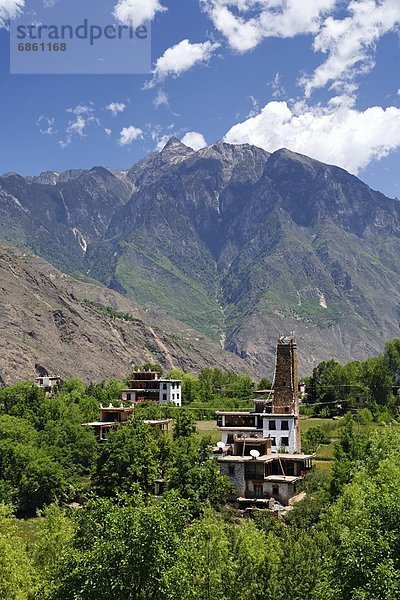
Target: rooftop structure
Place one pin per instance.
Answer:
(148, 386)
(111, 417)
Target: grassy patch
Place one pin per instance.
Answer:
(209, 428)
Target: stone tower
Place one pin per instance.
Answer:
(286, 383)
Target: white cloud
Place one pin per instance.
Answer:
(129, 135)
(194, 140)
(180, 58)
(350, 42)
(9, 9)
(161, 99)
(46, 125)
(108, 132)
(116, 107)
(245, 23)
(83, 116)
(137, 12)
(278, 90)
(337, 134)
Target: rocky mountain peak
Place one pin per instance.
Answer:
(175, 151)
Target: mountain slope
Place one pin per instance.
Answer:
(71, 327)
(239, 244)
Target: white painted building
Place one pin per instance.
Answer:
(48, 384)
(148, 386)
(281, 428)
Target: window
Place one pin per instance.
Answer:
(231, 469)
(275, 490)
(229, 439)
(164, 396)
(285, 425)
(285, 441)
(273, 441)
(164, 386)
(177, 396)
(258, 490)
(271, 425)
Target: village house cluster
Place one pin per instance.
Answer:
(260, 450)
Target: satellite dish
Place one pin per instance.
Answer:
(254, 453)
(221, 445)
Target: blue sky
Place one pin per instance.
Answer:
(321, 77)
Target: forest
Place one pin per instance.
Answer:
(79, 519)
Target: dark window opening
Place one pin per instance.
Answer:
(272, 425)
(285, 426)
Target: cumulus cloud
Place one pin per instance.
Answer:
(9, 9)
(245, 23)
(129, 135)
(137, 12)
(180, 58)
(83, 116)
(116, 107)
(194, 140)
(337, 133)
(350, 42)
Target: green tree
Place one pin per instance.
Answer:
(195, 477)
(185, 425)
(122, 551)
(129, 457)
(17, 576)
(24, 400)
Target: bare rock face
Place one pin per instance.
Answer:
(51, 323)
(236, 243)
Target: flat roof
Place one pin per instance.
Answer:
(141, 390)
(282, 478)
(270, 416)
(157, 421)
(296, 456)
(229, 428)
(234, 412)
(117, 408)
(263, 459)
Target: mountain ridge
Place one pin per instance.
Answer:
(234, 241)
